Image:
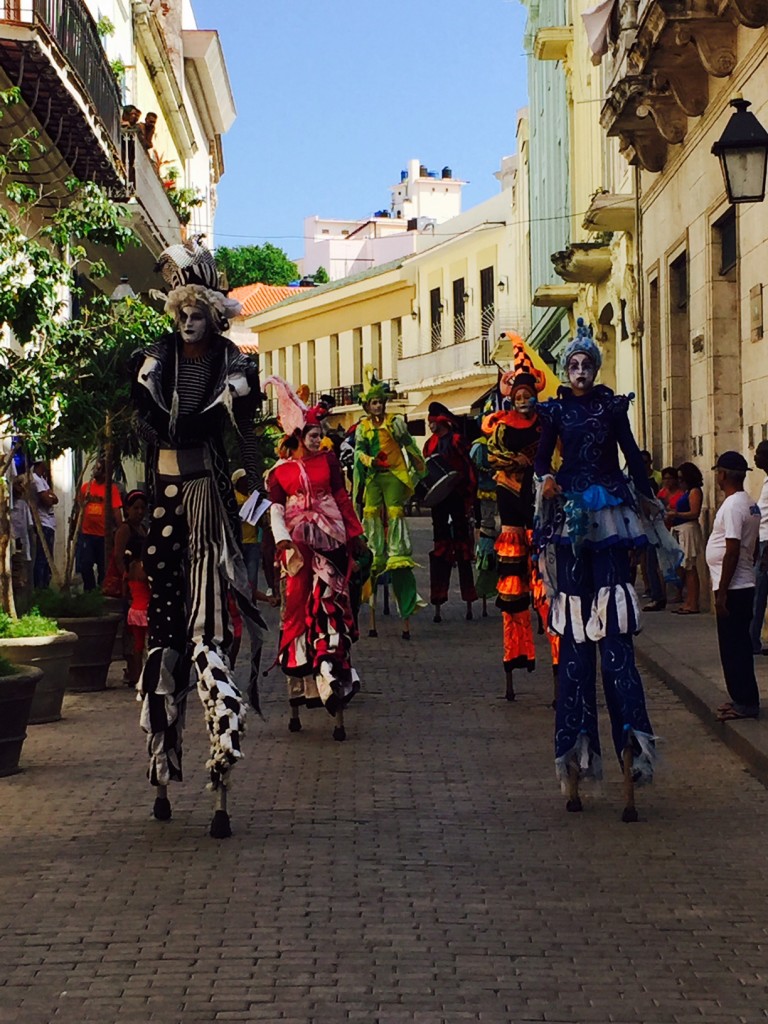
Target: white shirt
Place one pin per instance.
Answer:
(762, 501)
(21, 524)
(47, 515)
(738, 518)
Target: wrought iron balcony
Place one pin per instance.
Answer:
(51, 50)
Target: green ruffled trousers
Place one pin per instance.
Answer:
(384, 498)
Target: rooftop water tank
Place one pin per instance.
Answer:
(447, 173)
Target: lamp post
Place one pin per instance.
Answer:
(742, 150)
(123, 291)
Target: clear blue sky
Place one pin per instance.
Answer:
(334, 96)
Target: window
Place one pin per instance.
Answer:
(678, 282)
(435, 317)
(726, 238)
(487, 310)
(459, 316)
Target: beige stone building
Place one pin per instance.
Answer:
(671, 71)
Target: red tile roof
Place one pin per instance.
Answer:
(257, 297)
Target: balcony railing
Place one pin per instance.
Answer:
(71, 29)
(144, 184)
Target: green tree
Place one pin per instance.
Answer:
(63, 382)
(321, 276)
(252, 264)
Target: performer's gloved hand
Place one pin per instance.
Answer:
(550, 488)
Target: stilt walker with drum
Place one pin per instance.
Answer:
(388, 465)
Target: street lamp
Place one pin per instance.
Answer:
(742, 150)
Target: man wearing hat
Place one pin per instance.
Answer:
(761, 565)
(451, 524)
(730, 556)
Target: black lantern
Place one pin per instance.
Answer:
(742, 150)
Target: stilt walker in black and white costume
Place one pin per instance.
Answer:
(186, 388)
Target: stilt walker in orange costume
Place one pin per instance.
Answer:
(513, 438)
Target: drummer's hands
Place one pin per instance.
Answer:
(550, 488)
(282, 546)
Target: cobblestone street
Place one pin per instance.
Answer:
(423, 871)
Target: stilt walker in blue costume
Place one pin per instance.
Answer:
(590, 520)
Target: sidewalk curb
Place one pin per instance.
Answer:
(748, 740)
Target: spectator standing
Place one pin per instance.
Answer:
(670, 493)
(90, 545)
(684, 523)
(761, 565)
(249, 533)
(46, 501)
(730, 557)
(21, 550)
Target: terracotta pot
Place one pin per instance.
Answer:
(93, 652)
(16, 693)
(52, 655)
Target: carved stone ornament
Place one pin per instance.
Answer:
(750, 13)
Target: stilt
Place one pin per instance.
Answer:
(406, 634)
(485, 607)
(385, 602)
(630, 811)
(220, 827)
(372, 605)
(469, 610)
(294, 722)
(510, 692)
(339, 732)
(573, 803)
(162, 806)
(437, 617)
(555, 687)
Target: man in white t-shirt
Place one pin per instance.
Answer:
(761, 565)
(46, 499)
(731, 556)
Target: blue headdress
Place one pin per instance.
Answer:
(583, 342)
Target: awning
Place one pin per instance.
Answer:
(458, 399)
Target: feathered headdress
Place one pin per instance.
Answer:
(189, 269)
(373, 387)
(290, 408)
(583, 342)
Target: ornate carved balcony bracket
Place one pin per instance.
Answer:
(635, 111)
(750, 13)
(663, 79)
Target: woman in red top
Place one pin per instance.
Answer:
(316, 533)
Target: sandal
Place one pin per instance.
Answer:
(724, 707)
(684, 611)
(732, 715)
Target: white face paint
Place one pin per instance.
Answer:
(581, 373)
(312, 439)
(525, 402)
(193, 324)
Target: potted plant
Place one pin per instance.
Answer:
(36, 641)
(95, 628)
(17, 688)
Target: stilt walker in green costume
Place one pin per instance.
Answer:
(388, 464)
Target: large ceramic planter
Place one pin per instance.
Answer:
(52, 655)
(93, 652)
(16, 693)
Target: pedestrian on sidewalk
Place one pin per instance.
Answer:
(730, 557)
(684, 523)
(669, 495)
(761, 565)
(46, 499)
(590, 518)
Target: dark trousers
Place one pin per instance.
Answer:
(736, 654)
(41, 574)
(90, 555)
(452, 535)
